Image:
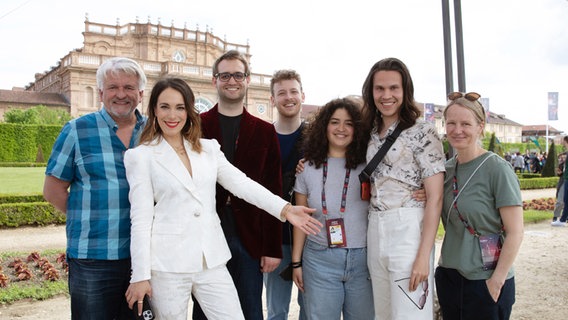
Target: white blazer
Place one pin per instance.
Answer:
(174, 222)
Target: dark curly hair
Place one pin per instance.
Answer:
(408, 113)
(316, 144)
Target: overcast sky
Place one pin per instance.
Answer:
(516, 51)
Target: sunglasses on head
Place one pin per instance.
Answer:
(471, 96)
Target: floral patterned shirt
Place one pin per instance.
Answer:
(416, 154)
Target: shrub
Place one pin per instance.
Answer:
(15, 198)
(32, 213)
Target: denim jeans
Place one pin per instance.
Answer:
(279, 291)
(247, 277)
(559, 205)
(465, 299)
(97, 289)
(336, 281)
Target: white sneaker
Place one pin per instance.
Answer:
(558, 223)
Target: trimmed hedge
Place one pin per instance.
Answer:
(539, 183)
(24, 143)
(15, 198)
(23, 164)
(14, 215)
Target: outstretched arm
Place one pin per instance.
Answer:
(300, 217)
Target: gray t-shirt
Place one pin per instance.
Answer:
(310, 183)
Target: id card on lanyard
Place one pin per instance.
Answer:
(335, 227)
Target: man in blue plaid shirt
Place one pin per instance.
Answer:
(86, 179)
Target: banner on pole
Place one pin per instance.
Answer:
(553, 106)
(485, 103)
(429, 112)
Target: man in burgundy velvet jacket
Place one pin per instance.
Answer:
(251, 144)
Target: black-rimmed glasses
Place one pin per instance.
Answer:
(422, 300)
(226, 76)
(471, 96)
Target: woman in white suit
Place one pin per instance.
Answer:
(177, 244)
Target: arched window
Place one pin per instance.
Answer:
(202, 104)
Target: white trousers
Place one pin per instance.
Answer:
(393, 238)
(213, 288)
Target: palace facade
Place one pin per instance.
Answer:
(160, 50)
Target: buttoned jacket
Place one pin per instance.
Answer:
(174, 221)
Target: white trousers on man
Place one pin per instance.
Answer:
(393, 238)
(213, 288)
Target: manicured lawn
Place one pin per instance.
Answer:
(21, 180)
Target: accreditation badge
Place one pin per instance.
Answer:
(336, 233)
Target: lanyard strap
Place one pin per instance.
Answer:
(466, 223)
(457, 193)
(343, 193)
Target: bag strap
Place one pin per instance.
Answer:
(365, 175)
(465, 222)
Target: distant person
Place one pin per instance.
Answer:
(86, 179)
(562, 221)
(287, 95)
(483, 220)
(527, 159)
(559, 204)
(508, 158)
(178, 247)
(536, 164)
(519, 163)
(250, 144)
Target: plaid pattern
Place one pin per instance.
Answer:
(89, 155)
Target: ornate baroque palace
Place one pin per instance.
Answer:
(161, 51)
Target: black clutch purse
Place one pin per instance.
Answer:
(147, 313)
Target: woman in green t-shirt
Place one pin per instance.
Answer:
(483, 218)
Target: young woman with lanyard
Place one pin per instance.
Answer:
(330, 267)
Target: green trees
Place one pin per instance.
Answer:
(37, 115)
(549, 169)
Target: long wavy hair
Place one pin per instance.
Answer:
(316, 144)
(192, 127)
(408, 113)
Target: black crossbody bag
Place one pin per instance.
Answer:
(365, 175)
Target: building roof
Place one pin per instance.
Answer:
(540, 129)
(308, 110)
(33, 98)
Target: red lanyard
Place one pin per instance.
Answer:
(456, 192)
(343, 193)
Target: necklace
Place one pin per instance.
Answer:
(180, 149)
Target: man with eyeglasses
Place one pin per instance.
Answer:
(251, 144)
